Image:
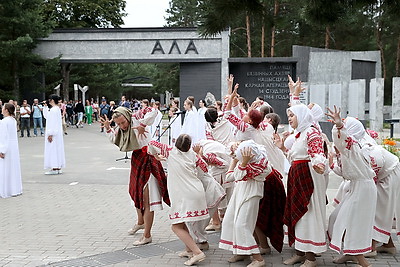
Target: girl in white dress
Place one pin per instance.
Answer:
(186, 191)
(10, 169)
(190, 124)
(351, 223)
(249, 170)
(305, 209)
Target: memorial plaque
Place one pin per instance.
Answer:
(268, 80)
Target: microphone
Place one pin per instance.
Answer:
(180, 112)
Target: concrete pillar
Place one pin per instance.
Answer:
(396, 104)
(376, 104)
(224, 62)
(317, 94)
(335, 97)
(355, 99)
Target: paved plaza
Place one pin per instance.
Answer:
(81, 218)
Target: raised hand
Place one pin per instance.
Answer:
(141, 130)
(247, 155)
(335, 116)
(230, 83)
(105, 122)
(278, 141)
(292, 84)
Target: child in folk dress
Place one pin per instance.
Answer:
(187, 196)
(351, 223)
(249, 170)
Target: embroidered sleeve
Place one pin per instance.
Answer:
(294, 100)
(238, 123)
(375, 167)
(149, 117)
(252, 170)
(314, 143)
(342, 141)
(263, 125)
(211, 158)
(201, 164)
(209, 135)
(159, 148)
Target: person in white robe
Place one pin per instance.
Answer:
(249, 170)
(201, 123)
(54, 156)
(218, 128)
(351, 223)
(156, 127)
(186, 191)
(10, 169)
(190, 120)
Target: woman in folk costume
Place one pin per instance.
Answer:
(218, 128)
(249, 170)
(10, 168)
(387, 180)
(147, 184)
(155, 128)
(188, 201)
(54, 156)
(306, 188)
(190, 124)
(247, 126)
(351, 223)
(214, 154)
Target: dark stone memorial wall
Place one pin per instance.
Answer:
(266, 79)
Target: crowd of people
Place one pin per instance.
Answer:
(225, 169)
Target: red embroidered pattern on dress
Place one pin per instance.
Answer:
(238, 123)
(350, 141)
(237, 246)
(140, 113)
(263, 125)
(242, 113)
(209, 135)
(311, 242)
(314, 143)
(189, 214)
(357, 251)
(211, 158)
(334, 247)
(164, 149)
(381, 231)
(201, 164)
(155, 203)
(254, 169)
(374, 167)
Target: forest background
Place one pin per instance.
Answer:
(266, 28)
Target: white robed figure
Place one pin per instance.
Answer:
(190, 125)
(10, 169)
(54, 156)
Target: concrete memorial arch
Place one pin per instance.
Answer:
(203, 61)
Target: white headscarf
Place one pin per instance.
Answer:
(355, 128)
(304, 117)
(317, 113)
(257, 150)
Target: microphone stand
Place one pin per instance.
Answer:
(158, 126)
(168, 127)
(124, 158)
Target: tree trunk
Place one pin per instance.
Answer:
(327, 37)
(14, 74)
(65, 69)
(381, 48)
(262, 40)
(398, 58)
(248, 34)
(276, 10)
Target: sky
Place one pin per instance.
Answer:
(145, 13)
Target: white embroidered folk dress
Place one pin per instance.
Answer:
(241, 215)
(352, 220)
(190, 125)
(54, 156)
(387, 180)
(244, 131)
(186, 191)
(310, 230)
(221, 131)
(10, 169)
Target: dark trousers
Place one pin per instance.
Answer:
(25, 124)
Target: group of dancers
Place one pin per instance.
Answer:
(225, 171)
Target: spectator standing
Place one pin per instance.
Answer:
(70, 112)
(63, 107)
(25, 112)
(110, 112)
(1, 108)
(17, 114)
(104, 110)
(88, 112)
(124, 103)
(95, 107)
(10, 168)
(37, 116)
(79, 110)
(54, 156)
